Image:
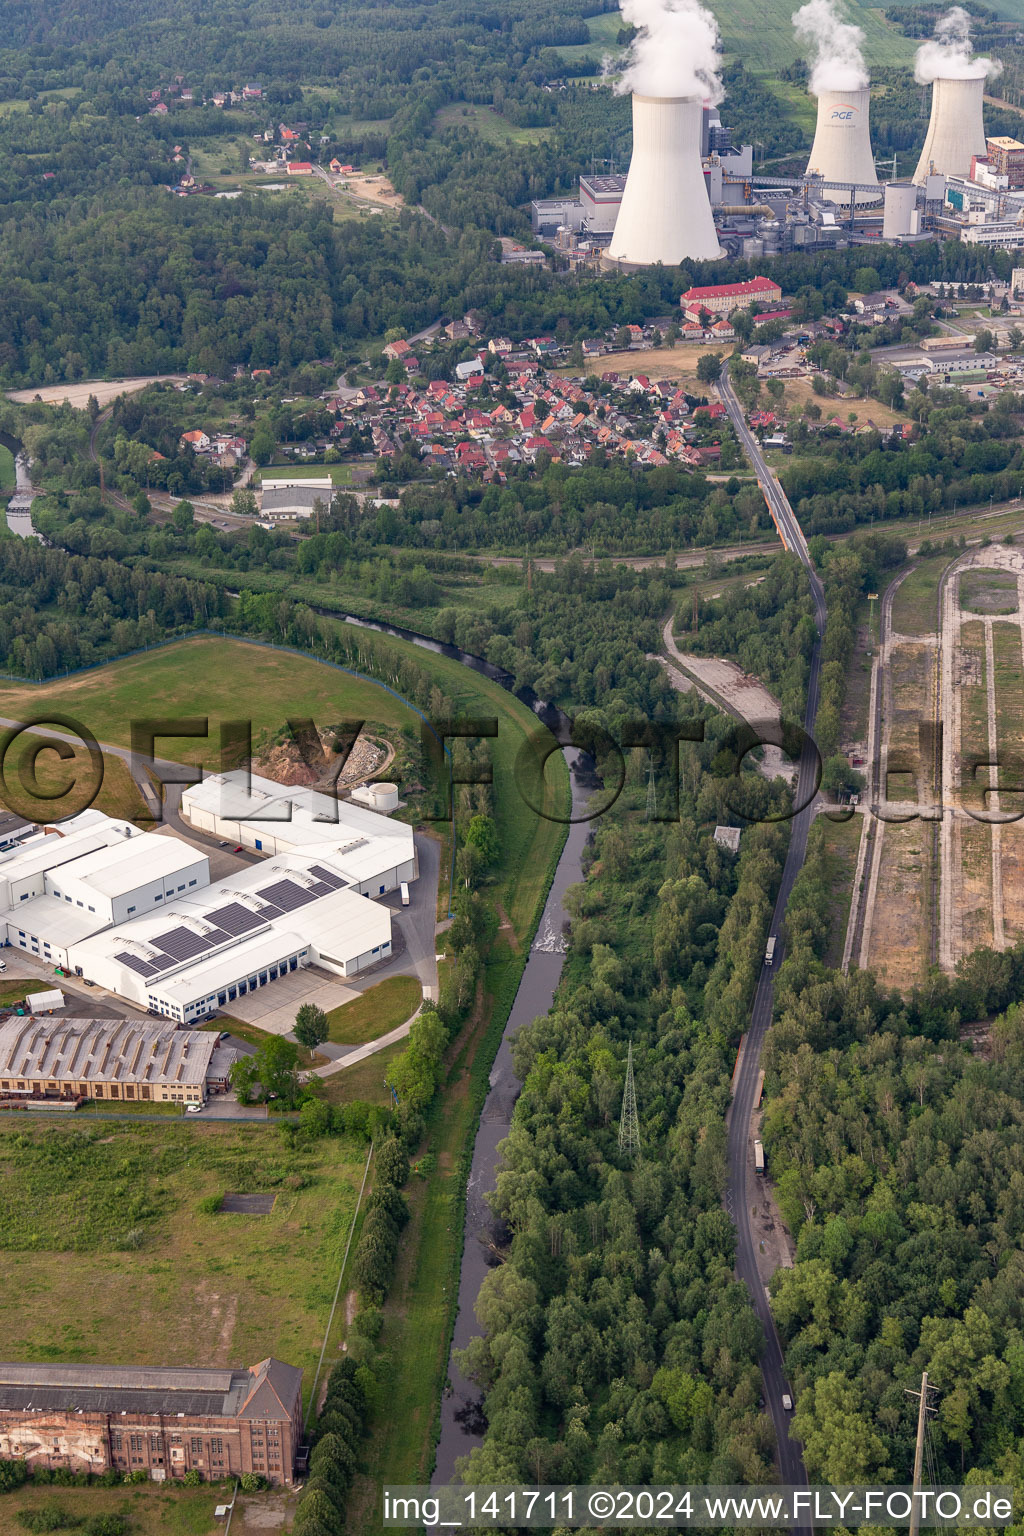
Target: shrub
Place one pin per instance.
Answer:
(12, 1475)
(48, 1517)
(192, 1478)
(106, 1525)
(392, 1163)
(209, 1205)
(252, 1482)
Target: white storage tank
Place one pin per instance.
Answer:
(900, 207)
(377, 797)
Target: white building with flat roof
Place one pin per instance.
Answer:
(237, 936)
(62, 884)
(374, 854)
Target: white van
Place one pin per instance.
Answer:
(404, 889)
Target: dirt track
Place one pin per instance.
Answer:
(77, 395)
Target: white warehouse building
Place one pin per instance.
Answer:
(136, 911)
(60, 885)
(374, 854)
(237, 936)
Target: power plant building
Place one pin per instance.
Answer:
(601, 199)
(665, 216)
(956, 129)
(841, 153)
(1006, 157)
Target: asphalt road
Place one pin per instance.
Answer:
(790, 1452)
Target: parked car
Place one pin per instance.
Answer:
(193, 1109)
(787, 1402)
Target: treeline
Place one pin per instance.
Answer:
(61, 611)
(895, 1145)
(965, 453)
(616, 1343)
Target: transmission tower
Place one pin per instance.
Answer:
(652, 793)
(629, 1123)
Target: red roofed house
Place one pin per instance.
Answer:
(196, 440)
(723, 298)
(299, 168)
(395, 349)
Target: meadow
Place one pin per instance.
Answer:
(112, 1252)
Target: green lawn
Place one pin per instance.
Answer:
(341, 474)
(491, 127)
(151, 1509)
(69, 785)
(220, 679)
(376, 1012)
(12, 992)
(111, 1254)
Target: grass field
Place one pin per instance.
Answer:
(376, 1011)
(761, 33)
(915, 606)
(221, 679)
(340, 474)
(842, 840)
(67, 784)
(657, 362)
(488, 124)
(799, 391)
(152, 1509)
(13, 991)
(110, 1253)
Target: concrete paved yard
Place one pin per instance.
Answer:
(274, 1006)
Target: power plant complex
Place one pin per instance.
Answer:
(691, 194)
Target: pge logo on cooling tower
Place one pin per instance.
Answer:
(843, 114)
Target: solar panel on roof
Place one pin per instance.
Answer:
(286, 895)
(140, 967)
(181, 943)
(234, 919)
(320, 889)
(327, 876)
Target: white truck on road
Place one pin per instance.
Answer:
(769, 951)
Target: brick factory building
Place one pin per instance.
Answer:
(164, 1422)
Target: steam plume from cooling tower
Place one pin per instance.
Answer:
(947, 56)
(675, 53)
(837, 63)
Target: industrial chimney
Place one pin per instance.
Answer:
(665, 214)
(841, 151)
(956, 130)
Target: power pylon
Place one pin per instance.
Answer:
(652, 793)
(629, 1122)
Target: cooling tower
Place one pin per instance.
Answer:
(665, 214)
(956, 130)
(841, 151)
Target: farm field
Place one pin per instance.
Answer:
(111, 1253)
(760, 33)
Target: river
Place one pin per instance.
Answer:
(462, 1423)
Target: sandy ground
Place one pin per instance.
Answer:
(656, 362)
(77, 395)
(371, 188)
(724, 680)
(897, 941)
